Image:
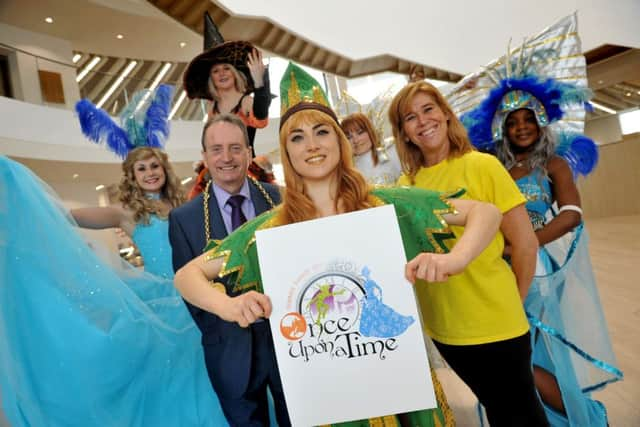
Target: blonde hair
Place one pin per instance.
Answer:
(240, 82)
(358, 121)
(411, 157)
(133, 197)
(352, 189)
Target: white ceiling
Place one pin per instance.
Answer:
(92, 26)
(455, 36)
(458, 36)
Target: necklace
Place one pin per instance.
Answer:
(205, 203)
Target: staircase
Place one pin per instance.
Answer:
(282, 42)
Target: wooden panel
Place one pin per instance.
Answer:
(194, 16)
(619, 68)
(180, 7)
(604, 52)
(51, 86)
(613, 188)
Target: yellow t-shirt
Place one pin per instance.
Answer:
(482, 304)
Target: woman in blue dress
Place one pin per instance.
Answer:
(572, 353)
(88, 342)
(149, 189)
(87, 339)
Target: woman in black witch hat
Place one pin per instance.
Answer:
(227, 73)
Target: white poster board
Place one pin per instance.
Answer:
(348, 347)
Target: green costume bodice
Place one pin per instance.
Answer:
(419, 214)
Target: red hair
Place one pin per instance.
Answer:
(352, 192)
(357, 121)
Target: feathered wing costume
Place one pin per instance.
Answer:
(547, 75)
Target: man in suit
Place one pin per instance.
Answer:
(240, 361)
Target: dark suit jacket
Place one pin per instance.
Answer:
(227, 346)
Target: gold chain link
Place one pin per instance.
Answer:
(266, 195)
(205, 203)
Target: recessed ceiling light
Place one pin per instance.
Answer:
(186, 180)
(76, 57)
(48, 20)
(119, 36)
(628, 93)
(182, 44)
(75, 176)
(600, 82)
(99, 187)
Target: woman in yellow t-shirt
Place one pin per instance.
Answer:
(475, 318)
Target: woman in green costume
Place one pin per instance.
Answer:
(322, 181)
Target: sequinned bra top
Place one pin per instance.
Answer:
(536, 188)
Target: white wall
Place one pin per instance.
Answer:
(612, 188)
(458, 36)
(604, 130)
(24, 67)
(83, 194)
(39, 132)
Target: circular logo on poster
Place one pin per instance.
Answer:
(293, 326)
(331, 296)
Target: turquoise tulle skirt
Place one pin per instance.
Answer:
(87, 340)
(569, 331)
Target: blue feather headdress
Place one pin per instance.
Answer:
(548, 100)
(545, 74)
(144, 122)
(544, 97)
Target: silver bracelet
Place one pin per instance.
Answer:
(570, 208)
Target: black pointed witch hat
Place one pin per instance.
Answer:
(212, 36)
(217, 51)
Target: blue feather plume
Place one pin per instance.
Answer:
(579, 151)
(98, 127)
(144, 122)
(156, 123)
(132, 117)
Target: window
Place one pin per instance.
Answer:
(630, 121)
